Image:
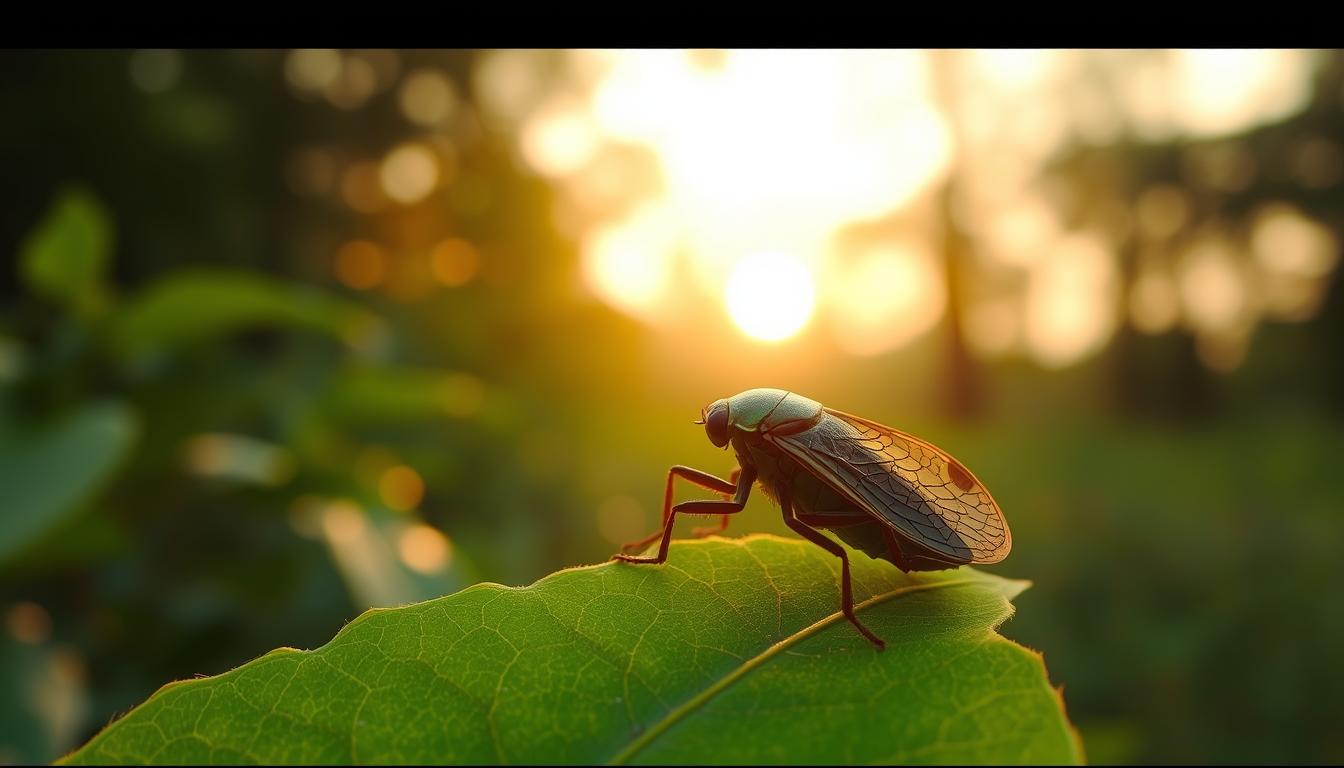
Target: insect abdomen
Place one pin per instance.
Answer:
(811, 496)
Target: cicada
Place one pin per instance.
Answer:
(882, 491)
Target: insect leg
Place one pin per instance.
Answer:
(707, 507)
(709, 530)
(702, 479)
(818, 538)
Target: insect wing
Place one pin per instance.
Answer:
(913, 486)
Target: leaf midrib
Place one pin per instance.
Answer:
(650, 734)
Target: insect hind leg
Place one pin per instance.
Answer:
(846, 591)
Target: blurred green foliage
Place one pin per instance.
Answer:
(66, 257)
(199, 424)
(152, 555)
(81, 450)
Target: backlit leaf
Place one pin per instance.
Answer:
(46, 474)
(191, 306)
(731, 652)
(67, 255)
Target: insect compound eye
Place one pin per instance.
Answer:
(716, 424)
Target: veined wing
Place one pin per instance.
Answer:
(912, 485)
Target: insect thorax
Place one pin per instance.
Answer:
(756, 408)
(777, 472)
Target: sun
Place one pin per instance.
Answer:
(770, 296)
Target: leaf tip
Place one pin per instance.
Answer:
(1015, 587)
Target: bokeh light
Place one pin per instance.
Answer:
(427, 97)
(1294, 255)
(28, 622)
(312, 69)
(561, 141)
(361, 264)
(1154, 303)
(1213, 288)
(409, 173)
(424, 548)
(888, 296)
(354, 82)
(1227, 90)
(629, 264)
(238, 457)
(401, 488)
(1023, 231)
(343, 522)
(454, 261)
(770, 295)
(1071, 301)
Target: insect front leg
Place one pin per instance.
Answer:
(710, 530)
(702, 479)
(818, 538)
(708, 507)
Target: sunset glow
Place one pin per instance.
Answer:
(741, 175)
(770, 296)
(799, 146)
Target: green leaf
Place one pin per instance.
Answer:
(731, 652)
(66, 256)
(199, 304)
(47, 474)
